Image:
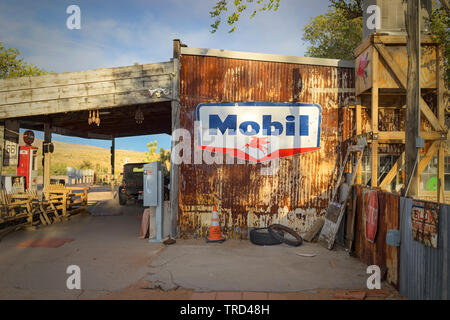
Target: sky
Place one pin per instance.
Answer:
(120, 33)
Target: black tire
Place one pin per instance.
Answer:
(262, 237)
(122, 200)
(275, 229)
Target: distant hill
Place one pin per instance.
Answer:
(80, 156)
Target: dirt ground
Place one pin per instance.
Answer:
(116, 264)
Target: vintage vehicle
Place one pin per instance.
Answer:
(132, 183)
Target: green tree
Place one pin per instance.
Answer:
(151, 155)
(334, 35)
(440, 28)
(235, 8)
(11, 66)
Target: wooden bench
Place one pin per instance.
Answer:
(67, 199)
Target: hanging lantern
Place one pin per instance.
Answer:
(139, 116)
(97, 121)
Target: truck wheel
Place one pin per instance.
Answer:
(122, 200)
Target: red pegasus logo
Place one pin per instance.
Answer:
(258, 143)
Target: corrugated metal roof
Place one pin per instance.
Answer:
(267, 57)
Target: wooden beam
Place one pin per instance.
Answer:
(87, 90)
(358, 132)
(87, 78)
(86, 135)
(174, 168)
(399, 136)
(401, 77)
(47, 156)
(393, 172)
(440, 80)
(428, 156)
(113, 162)
(392, 39)
(413, 94)
(374, 109)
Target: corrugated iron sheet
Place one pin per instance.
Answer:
(424, 270)
(298, 194)
(378, 253)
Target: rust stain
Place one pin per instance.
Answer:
(298, 194)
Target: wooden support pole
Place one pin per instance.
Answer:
(358, 132)
(412, 96)
(174, 168)
(113, 162)
(440, 81)
(47, 156)
(374, 109)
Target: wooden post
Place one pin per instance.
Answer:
(174, 169)
(358, 132)
(412, 95)
(374, 152)
(47, 156)
(440, 84)
(113, 161)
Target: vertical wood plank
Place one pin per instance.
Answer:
(174, 168)
(47, 156)
(358, 132)
(374, 147)
(441, 116)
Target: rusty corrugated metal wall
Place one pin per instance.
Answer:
(378, 253)
(298, 194)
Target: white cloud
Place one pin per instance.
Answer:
(148, 38)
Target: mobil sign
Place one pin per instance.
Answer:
(259, 131)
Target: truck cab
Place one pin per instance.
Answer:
(132, 183)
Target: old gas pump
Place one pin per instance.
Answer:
(154, 196)
(28, 165)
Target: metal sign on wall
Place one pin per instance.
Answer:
(425, 219)
(259, 131)
(11, 146)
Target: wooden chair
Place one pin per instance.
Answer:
(15, 207)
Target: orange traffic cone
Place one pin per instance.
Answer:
(215, 235)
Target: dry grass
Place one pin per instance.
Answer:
(74, 155)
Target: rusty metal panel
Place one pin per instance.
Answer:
(378, 253)
(297, 195)
(424, 270)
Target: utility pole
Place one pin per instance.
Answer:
(412, 96)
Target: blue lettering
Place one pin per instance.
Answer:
(268, 124)
(216, 123)
(290, 126)
(304, 125)
(244, 128)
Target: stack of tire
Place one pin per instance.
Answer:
(275, 234)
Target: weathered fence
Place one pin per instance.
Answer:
(420, 272)
(378, 253)
(424, 270)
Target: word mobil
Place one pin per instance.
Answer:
(259, 131)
